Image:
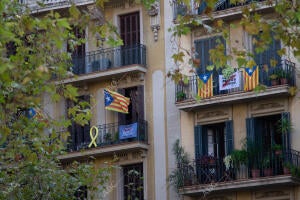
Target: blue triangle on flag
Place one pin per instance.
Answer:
(108, 99)
(250, 71)
(205, 77)
(31, 113)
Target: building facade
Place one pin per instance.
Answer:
(221, 117)
(136, 70)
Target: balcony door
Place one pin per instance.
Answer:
(214, 140)
(133, 184)
(79, 135)
(266, 131)
(130, 34)
(78, 52)
(136, 106)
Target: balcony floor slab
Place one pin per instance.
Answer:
(282, 90)
(104, 150)
(239, 185)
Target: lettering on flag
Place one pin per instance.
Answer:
(128, 131)
(232, 82)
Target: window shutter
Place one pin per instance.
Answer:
(201, 140)
(122, 116)
(86, 128)
(269, 53)
(286, 124)
(140, 102)
(229, 136)
(202, 48)
(250, 129)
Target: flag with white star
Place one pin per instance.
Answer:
(205, 90)
(251, 78)
(250, 71)
(115, 101)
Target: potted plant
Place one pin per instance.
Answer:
(282, 76)
(287, 166)
(277, 148)
(184, 173)
(254, 150)
(240, 159)
(180, 96)
(274, 79)
(266, 164)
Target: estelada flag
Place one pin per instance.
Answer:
(115, 101)
(207, 87)
(251, 78)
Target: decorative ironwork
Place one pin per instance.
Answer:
(109, 58)
(208, 170)
(108, 134)
(285, 74)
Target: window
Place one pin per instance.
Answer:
(78, 53)
(266, 131)
(136, 106)
(214, 140)
(270, 53)
(133, 181)
(130, 28)
(202, 48)
(80, 135)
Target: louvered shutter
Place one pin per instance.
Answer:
(270, 53)
(140, 102)
(201, 141)
(229, 136)
(286, 122)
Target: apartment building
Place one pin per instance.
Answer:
(136, 70)
(217, 116)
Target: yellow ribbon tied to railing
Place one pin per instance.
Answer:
(93, 136)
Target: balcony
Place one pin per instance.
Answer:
(222, 8)
(187, 95)
(55, 4)
(209, 173)
(109, 141)
(109, 62)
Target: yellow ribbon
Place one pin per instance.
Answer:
(93, 137)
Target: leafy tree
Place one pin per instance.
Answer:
(32, 64)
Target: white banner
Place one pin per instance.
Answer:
(232, 82)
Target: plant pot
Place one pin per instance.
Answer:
(255, 173)
(286, 170)
(274, 82)
(242, 172)
(278, 152)
(283, 81)
(268, 172)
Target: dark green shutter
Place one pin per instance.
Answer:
(270, 53)
(201, 141)
(229, 136)
(202, 48)
(250, 129)
(198, 141)
(286, 143)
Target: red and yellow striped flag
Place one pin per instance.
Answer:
(251, 78)
(115, 101)
(207, 87)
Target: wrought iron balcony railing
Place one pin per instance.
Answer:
(280, 75)
(208, 170)
(108, 134)
(110, 58)
(199, 9)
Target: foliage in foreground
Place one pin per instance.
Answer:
(31, 50)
